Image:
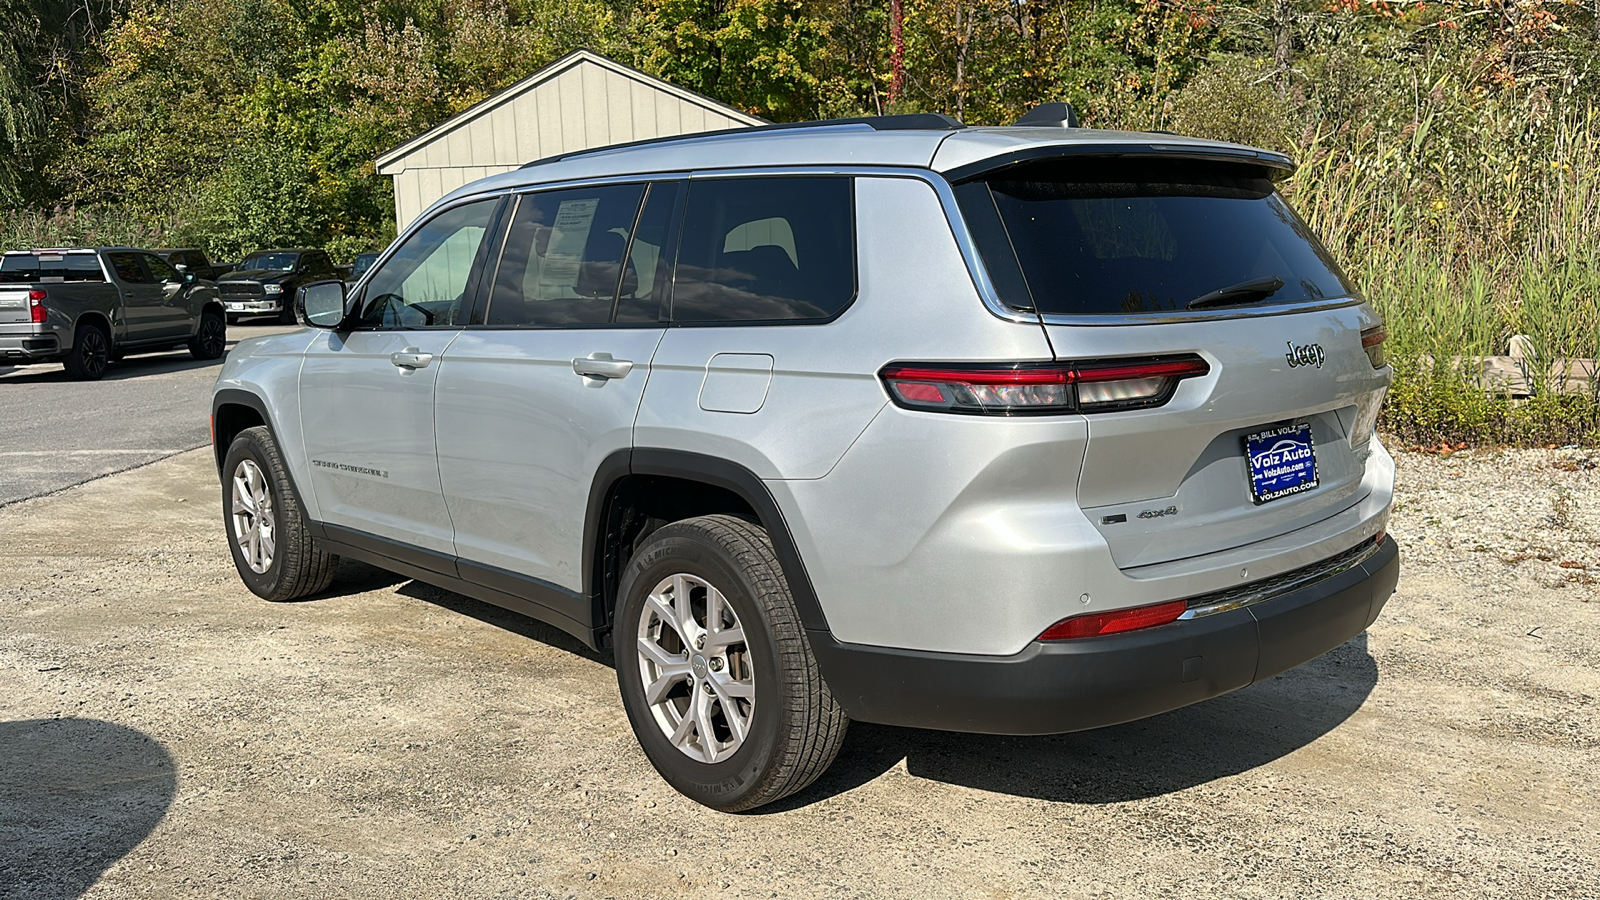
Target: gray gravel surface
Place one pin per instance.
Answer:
(165, 734)
(56, 432)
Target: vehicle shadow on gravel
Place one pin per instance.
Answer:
(76, 795)
(1171, 752)
(122, 370)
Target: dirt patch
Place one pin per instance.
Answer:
(164, 733)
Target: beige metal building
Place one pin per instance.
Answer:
(582, 100)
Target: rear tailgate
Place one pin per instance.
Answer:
(1174, 482)
(14, 304)
(1128, 256)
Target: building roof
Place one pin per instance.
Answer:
(392, 162)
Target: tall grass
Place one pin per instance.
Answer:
(77, 226)
(1463, 234)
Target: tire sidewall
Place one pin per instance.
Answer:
(78, 364)
(721, 785)
(249, 445)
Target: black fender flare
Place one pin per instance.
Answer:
(711, 470)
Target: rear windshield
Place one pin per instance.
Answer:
(25, 268)
(1108, 236)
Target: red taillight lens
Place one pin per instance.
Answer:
(1372, 341)
(1039, 388)
(36, 311)
(1114, 622)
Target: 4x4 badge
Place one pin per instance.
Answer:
(1306, 355)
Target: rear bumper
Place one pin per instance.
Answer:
(29, 347)
(1095, 682)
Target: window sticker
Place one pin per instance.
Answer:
(569, 236)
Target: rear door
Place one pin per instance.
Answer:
(1114, 255)
(175, 317)
(144, 303)
(367, 394)
(546, 382)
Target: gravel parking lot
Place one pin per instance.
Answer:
(164, 733)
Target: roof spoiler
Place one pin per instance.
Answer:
(1049, 115)
(1278, 164)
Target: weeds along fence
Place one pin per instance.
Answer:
(76, 226)
(1464, 233)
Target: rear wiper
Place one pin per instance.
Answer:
(1256, 290)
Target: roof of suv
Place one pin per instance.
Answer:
(954, 151)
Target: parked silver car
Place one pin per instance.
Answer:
(1015, 430)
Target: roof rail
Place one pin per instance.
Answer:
(909, 122)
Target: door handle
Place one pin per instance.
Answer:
(411, 358)
(601, 365)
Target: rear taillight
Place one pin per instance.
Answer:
(1039, 388)
(1115, 622)
(36, 311)
(1372, 341)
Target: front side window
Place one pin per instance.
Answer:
(318, 265)
(768, 249)
(1106, 236)
(424, 282)
(566, 257)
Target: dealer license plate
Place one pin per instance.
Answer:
(1281, 460)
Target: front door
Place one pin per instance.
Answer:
(367, 394)
(531, 401)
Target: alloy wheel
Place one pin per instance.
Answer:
(696, 670)
(254, 525)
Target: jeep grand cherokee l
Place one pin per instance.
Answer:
(1016, 430)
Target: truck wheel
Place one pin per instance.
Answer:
(715, 670)
(211, 339)
(286, 315)
(274, 552)
(90, 354)
(233, 319)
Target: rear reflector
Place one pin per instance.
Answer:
(1115, 622)
(1372, 341)
(1039, 388)
(37, 314)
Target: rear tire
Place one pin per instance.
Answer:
(212, 339)
(275, 554)
(715, 671)
(90, 354)
(286, 315)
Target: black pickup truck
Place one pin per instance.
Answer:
(265, 283)
(85, 307)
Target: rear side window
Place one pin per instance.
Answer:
(566, 258)
(766, 250)
(128, 269)
(1110, 236)
(25, 268)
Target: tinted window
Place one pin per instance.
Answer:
(565, 261)
(159, 269)
(766, 250)
(64, 267)
(650, 254)
(362, 263)
(127, 268)
(318, 265)
(1129, 236)
(425, 281)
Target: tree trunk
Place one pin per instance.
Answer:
(897, 56)
(1282, 49)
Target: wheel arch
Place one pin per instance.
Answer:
(98, 319)
(232, 411)
(616, 516)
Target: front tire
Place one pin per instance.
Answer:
(212, 338)
(714, 668)
(273, 550)
(90, 354)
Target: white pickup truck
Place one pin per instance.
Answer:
(87, 307)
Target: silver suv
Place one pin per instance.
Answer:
(1014, 430)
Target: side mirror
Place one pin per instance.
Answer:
(321, 304)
